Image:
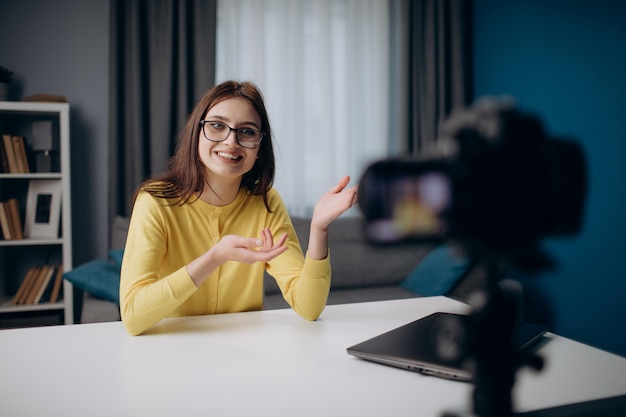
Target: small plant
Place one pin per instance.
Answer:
(6, 76)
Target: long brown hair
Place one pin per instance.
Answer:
(184, 177)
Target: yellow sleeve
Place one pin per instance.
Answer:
(146, 297)
(304, 282)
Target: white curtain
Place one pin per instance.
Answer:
(323, 67)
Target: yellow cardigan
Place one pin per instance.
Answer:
(163, 238)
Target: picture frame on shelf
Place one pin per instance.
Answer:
(43, 209)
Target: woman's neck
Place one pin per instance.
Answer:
(220, 193)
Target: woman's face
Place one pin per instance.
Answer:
(228, 159)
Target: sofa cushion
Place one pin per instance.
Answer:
(116, 256)
(438, 272)
(99, 278)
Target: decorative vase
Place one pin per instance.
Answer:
(4, 91)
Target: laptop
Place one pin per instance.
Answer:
(411, 347)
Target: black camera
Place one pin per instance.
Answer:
(495, 183)
(494, 179)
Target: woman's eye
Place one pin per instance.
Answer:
(217, 125)
(247, 132)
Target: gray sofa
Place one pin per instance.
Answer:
(360, 272)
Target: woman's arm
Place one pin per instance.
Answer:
(305, 283)
(150, 289)
(330, 206)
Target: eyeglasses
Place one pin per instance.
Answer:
(218, 132)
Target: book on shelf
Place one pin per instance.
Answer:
(34, 287)
(45, 97)
(15, 219)
(11, 220)
(7, 142)
(42, 284)
(25, 287)
(39, 285)
(14, 155)
(4, 222)
(57, 288)
(4, 161)
(19, 294)
(47, 287)
(19, 147)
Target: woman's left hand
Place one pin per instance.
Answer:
(333, 203)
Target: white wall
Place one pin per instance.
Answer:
(62, 47)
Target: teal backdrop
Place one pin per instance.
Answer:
(565, 60)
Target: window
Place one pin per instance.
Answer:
(323, 67)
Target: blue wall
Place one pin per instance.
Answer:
(565, 60)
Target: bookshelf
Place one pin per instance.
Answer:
(45, 216)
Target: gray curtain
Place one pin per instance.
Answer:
(162, 60)
(434, 45)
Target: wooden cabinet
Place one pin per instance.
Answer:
(43, 196)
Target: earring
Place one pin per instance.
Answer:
(257, 181)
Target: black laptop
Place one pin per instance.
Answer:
(411, 347)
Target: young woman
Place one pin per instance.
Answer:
(202, 233)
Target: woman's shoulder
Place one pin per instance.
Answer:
(275, 200)
(158, 187)
(272, 193)
(156, 195)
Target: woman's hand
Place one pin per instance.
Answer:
(236, 248)
(251, 250)
(333, 203)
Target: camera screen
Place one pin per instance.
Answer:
(405, 205)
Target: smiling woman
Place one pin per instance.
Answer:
(203, 233)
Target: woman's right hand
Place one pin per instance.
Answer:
(239, 249)
(250, 250)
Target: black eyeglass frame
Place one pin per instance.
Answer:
(232, 129)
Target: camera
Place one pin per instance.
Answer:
(495, 183)
(494, 180)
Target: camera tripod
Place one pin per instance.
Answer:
(489, 332)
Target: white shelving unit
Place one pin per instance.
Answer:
(16, 256)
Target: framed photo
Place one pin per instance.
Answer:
(43, 209)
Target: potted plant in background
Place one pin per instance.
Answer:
(6, 76)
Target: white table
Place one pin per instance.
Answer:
(269, 363)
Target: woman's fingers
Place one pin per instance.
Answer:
(250, 250)
(268, 239)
